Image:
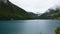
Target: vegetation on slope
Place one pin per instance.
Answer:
(10, 11)
(51, 14)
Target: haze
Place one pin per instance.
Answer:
(35, 6)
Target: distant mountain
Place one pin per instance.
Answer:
(9, 11)
(51, 14)
(34, 16)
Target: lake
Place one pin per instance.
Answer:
(29, 26)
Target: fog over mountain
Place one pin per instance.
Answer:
(36, 6)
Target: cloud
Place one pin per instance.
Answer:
(35, 5)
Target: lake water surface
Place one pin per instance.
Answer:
(29, 26)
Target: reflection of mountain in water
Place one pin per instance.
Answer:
(11, 11)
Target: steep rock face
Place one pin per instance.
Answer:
(10, 11)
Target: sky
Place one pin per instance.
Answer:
(35, 6)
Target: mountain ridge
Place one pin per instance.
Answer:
(11, 11)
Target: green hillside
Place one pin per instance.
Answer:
(9, 11)
(51, 14)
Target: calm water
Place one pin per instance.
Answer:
(29, 26)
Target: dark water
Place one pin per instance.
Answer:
(29, 26)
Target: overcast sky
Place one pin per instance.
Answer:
(36, 6)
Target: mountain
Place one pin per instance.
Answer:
(9, 11)
(34, 16)
(51, 14)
